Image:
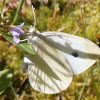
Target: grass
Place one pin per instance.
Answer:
(79, 18)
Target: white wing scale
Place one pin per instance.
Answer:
(86, 51)
(57, 55)
(50, 70)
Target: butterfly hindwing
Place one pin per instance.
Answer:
(49, 71)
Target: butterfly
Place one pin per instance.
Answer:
(58, 57)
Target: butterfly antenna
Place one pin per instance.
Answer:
(33, 9)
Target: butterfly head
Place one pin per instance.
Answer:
(33, 33)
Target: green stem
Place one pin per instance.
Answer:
(18, 11)
(82, 88)
(83, 20)
(14, 91)
(3, 2)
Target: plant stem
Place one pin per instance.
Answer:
(82, 88)
(83, 20)
(3, 2)
(14, 91)
(18, 11)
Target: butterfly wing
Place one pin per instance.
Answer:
(80, 53)
(49, 71)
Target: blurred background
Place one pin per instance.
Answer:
(79, 17)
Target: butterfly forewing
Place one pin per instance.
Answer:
(49, 71)
(58, 56)
(80, 53)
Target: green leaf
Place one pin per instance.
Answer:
(23, 45)
(5, 78)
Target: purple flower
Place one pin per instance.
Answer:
(16, 32)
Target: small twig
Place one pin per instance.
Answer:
(60, 97)
(21, 97)
(66, 96)
(75, 31)
(66, 6)
(23, 87)
(25, 78)
(62, 28)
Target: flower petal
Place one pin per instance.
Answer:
(16, 38)
(20, 24)
(16, 30)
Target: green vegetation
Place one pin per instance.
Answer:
(79, 17)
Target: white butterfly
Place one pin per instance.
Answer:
(58, 57)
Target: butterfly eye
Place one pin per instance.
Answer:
(75, 54)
